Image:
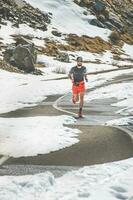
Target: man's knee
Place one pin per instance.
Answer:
(81, 95)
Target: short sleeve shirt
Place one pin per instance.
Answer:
(78, 73)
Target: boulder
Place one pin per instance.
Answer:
(22, 56)
(96, 22)
(115, 37)
(99, 6)
(102, 18)
(56, 33)
(63, 57)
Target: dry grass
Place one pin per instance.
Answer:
(128, 38)
(51, 48)
(7, 67)
(85, 43)
(76, 43)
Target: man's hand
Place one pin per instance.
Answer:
(86, 79)
(72, 80)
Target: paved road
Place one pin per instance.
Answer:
(98, 144)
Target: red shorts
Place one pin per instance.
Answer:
(78, 88)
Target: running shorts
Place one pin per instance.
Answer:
(78, 88)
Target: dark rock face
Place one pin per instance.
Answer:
(21, 56)
(116, 14)
(113, 19)
(99, 6)
(20, 12)
(96, 22)
(56, 33)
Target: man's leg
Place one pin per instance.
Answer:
(75, 98)
(81, 103)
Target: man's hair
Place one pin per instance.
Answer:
(79, 58)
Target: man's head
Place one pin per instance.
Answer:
(79, 61)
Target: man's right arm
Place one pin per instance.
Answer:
(70, 75)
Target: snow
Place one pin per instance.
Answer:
(76, 23)
(110, 181)
(105, 60)
(128, 50)
(124, 94)
(30, 90)
(8, 30)
(27, 90)
(69, 18)
(120, 91)
(31, 136)
(107, 181)
(119, 122)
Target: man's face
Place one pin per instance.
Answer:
(79, 62)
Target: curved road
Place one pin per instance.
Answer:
(98, 144)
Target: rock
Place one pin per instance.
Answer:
(96, 22)
(24, 40)
(115, 37)
(22, 56)
(63, 57)
(41, 27)
(5, 12)
(20, 12)
(109, 25)
(102, 18)
(84, 3)
(37, 72)
(9, 53)
(113, 19)
(99, 6)
(20, 3)
(56, 33)
(16, 24)
(85, 13)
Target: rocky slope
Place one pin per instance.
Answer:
(112, 14)
(20, 12)
(107, 14)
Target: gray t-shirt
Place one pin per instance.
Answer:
(78, 73)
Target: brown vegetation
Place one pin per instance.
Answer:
(86, 43)
(6, 66)
(77, 43)
(127, 38)
(51, 48)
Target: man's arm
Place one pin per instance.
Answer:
(86, 79)
(85, 75)
(70, 75)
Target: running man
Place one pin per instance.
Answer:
(77, 75)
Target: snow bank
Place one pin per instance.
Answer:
(18, 91)
(110, 181)
(30, 136)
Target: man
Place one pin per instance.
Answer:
(78, 74)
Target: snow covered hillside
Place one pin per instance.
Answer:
(67, 17)
(59, 31)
